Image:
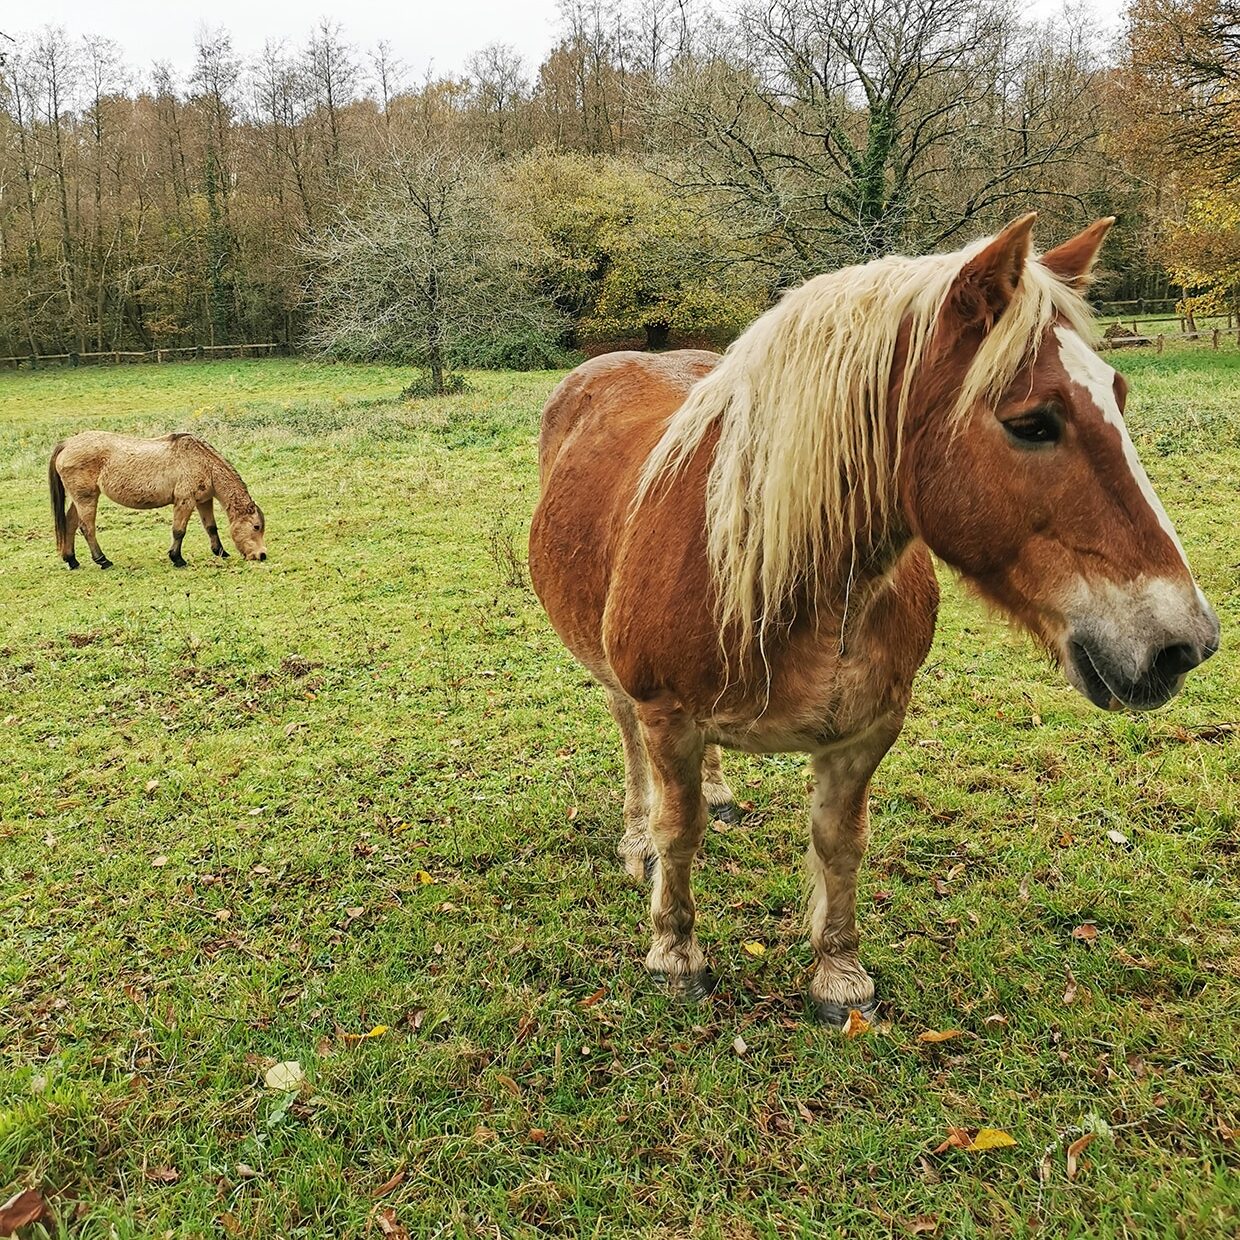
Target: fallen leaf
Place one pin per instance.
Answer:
(509, 1084)
(284, 1076)
(377, 1032)
(21, 1210)
(922, 1225)
(152, 785)
(572, 813)
(355, 912)
(159, 862)
(938, 1035)
(1118, 837)
(230, 1223)
(424, 878)
(806, 1114)
(591, 1000)
(739, 1045)
(1023, 893)
(1074, 1152)
(389, 1226)
(1069, 993)
(991, 1139)
(1227, 1132)
(246, 1172)
(754, 948)
(537, 1135)
(957, 1138)
(387, 1185)
(995, 1019)
(526, 1026)
(1086, 933)
(163, 1175)
(857, 1025)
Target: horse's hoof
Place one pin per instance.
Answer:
(688, 987)
(71, 561)
(727, 813)
(836, 1015)
(221, 553)
(104, 563)
(177, 560)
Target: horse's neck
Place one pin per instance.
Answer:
(844, 594)
(229, 488)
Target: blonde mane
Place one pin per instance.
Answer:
(801, 404)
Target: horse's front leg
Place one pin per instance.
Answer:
(636, 851)
(674, 745)
(840, 829)
(181, 510)
(206, 514)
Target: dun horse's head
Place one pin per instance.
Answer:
(1034, 491)
(247, 527)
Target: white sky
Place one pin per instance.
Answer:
(438, 34)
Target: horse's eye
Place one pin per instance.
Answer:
(1038, 426)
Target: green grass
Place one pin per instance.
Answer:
(223, 788)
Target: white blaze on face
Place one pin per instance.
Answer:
(1086, 368)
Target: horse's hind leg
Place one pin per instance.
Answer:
(206, 513)
(840, 830)
(86, 506)
(677, 824)
(68, 549)
(636, 850)
(720, 803)
(180, 522)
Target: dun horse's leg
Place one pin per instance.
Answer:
(180, 522)
(206, 512)
(720, 803)
(86, 507)
(636, 850)
(677, 825)
(69, 549)
(840, 829)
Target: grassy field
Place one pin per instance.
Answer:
(250, 813)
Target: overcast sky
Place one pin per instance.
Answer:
(438, 34)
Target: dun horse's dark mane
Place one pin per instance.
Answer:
(229, 469)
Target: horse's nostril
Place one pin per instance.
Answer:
(262, 555)
(1175, 660)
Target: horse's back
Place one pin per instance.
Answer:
(598, 427)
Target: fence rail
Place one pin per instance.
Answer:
(1215, 335)
(116, 356)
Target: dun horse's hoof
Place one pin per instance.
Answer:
(836, 1015)
(728, 813)
(688, 987)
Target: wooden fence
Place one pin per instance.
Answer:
(268, 348)
(1215, 335)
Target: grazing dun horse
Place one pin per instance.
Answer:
(738, 547)
(177, 469)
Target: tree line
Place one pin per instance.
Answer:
(665, 171)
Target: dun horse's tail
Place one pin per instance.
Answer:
(57, 488)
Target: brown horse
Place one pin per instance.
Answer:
(738, 548)
(177, 469)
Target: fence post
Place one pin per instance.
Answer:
(1214, 338)
(1160, 342)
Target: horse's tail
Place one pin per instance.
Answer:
(57, 488)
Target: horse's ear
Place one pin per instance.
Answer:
(1072, 261)
(987, 282)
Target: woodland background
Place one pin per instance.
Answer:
(662, 174)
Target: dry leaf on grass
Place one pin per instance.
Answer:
(230, 1223)
(739, 1045)
(159, 862)
(1086, 933)
(163, 1175)
(1118, 837)
(509, 1084)
(284, 1076)
(21, 1210)
(387, 1186)
(857, 1025)
(389, 1226)
(995, 1019)
(424, 878)
(986, 1139)
(753, 948)
(1075, 1150)
(591, 1000)
(922, 1225)
(353, 1038)
(938, 1035)
(1069, 991)
(1227, 1132)
(537, 1135)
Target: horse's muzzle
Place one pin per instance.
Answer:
(1106, 672)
